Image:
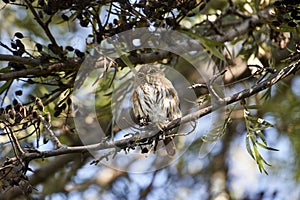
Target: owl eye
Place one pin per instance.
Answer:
(152, 71)
(140, 75)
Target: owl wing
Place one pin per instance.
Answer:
(138, 110)
(171, 102)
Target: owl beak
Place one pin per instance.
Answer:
(147, 78)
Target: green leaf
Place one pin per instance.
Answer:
(262, 137)
(267, 94)
(254, 107)
(208, 44)
(264, 122)
(259, 160)
(248, 147)
(124, 58)
(5, 69)
(267, 147)
(5, 86)
(254, 127)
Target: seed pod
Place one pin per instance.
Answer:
(52, 48)
(47, 117)
(41, 2)
(292, 24)
(39, 47)
(23, 111)
(69, 101)
(2, 111)
(63, 106)
(79, 53)
(65, 17)
(84, 22)
(15, 102)
(8, 107)
(144, 150)
(12, 113)
(40, 13)
(45, 140)
(18, 118)
(19, 92)
(19, 35)
(116, 22)
(13, 45)
(30, 110)
(35, 114)
(18, 107)
(57, 113)
(69, 48)
(39, 104)
(25, 125)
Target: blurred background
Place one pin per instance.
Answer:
(218, 169)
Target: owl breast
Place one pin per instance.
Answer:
(156, 104)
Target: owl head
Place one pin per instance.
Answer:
(149, 74)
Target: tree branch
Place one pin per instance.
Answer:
(50, 132)
(188, 45)
(244, 27)
(72, 64)
(45, 28)
(21, 60)
(69, 65)
(123, 143)
(42, 174)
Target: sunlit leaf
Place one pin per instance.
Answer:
(208, 44)
(255, 127)
(266, 147)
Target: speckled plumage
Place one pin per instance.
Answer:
(155, 101)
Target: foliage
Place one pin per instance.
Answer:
(255, 127)
(255, 44)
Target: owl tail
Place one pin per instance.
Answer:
(170, 146)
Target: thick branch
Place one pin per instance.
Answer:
(22, 60)
(71, 64)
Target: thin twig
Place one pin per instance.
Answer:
(212, 89)
(51, 133)
(14, 140)
(45, 28)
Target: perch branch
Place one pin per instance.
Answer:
(123, 143)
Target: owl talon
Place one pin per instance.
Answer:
(143, 121)
(131, 134)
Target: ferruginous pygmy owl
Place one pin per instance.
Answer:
(155, 101)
